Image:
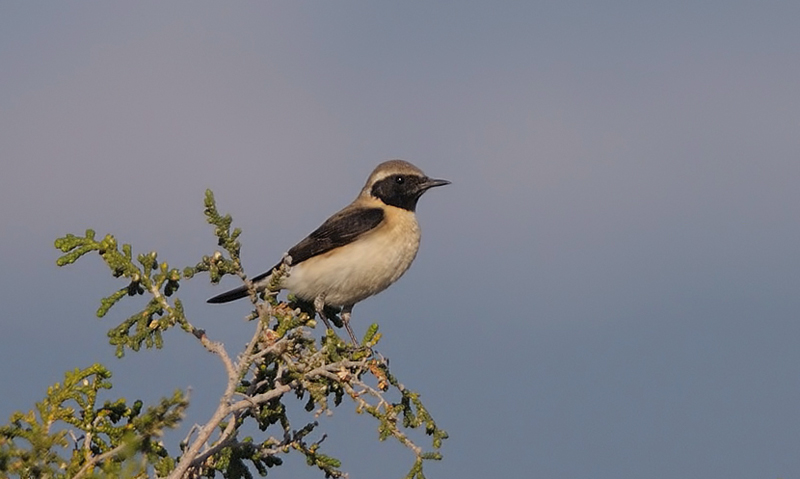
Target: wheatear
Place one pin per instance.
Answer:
(359, 251)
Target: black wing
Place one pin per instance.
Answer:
(340, 229)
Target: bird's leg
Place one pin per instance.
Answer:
(346, 310)
(319, 306)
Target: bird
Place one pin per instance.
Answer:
(360, 250)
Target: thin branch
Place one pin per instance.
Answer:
(90, 464)
(192, 430)
(218, 349)
(224, 409)
(279, 390)
(358, 397)
(227, 438)
(202, 437)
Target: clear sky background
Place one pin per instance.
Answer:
(610, 288)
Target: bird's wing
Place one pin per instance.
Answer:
(340, 229)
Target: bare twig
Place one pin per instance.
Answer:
(192, 456)
(93, 461)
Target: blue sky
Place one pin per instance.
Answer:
(609, 288)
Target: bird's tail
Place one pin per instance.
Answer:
(241, 292)
(228, 296)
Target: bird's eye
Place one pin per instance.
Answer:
(399, 180)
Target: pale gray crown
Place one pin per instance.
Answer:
(389, 168)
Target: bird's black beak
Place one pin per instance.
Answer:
(431, 183)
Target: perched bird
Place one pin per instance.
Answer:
(359, 251)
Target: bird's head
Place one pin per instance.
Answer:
(399, 183)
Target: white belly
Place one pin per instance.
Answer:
(360, 269)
